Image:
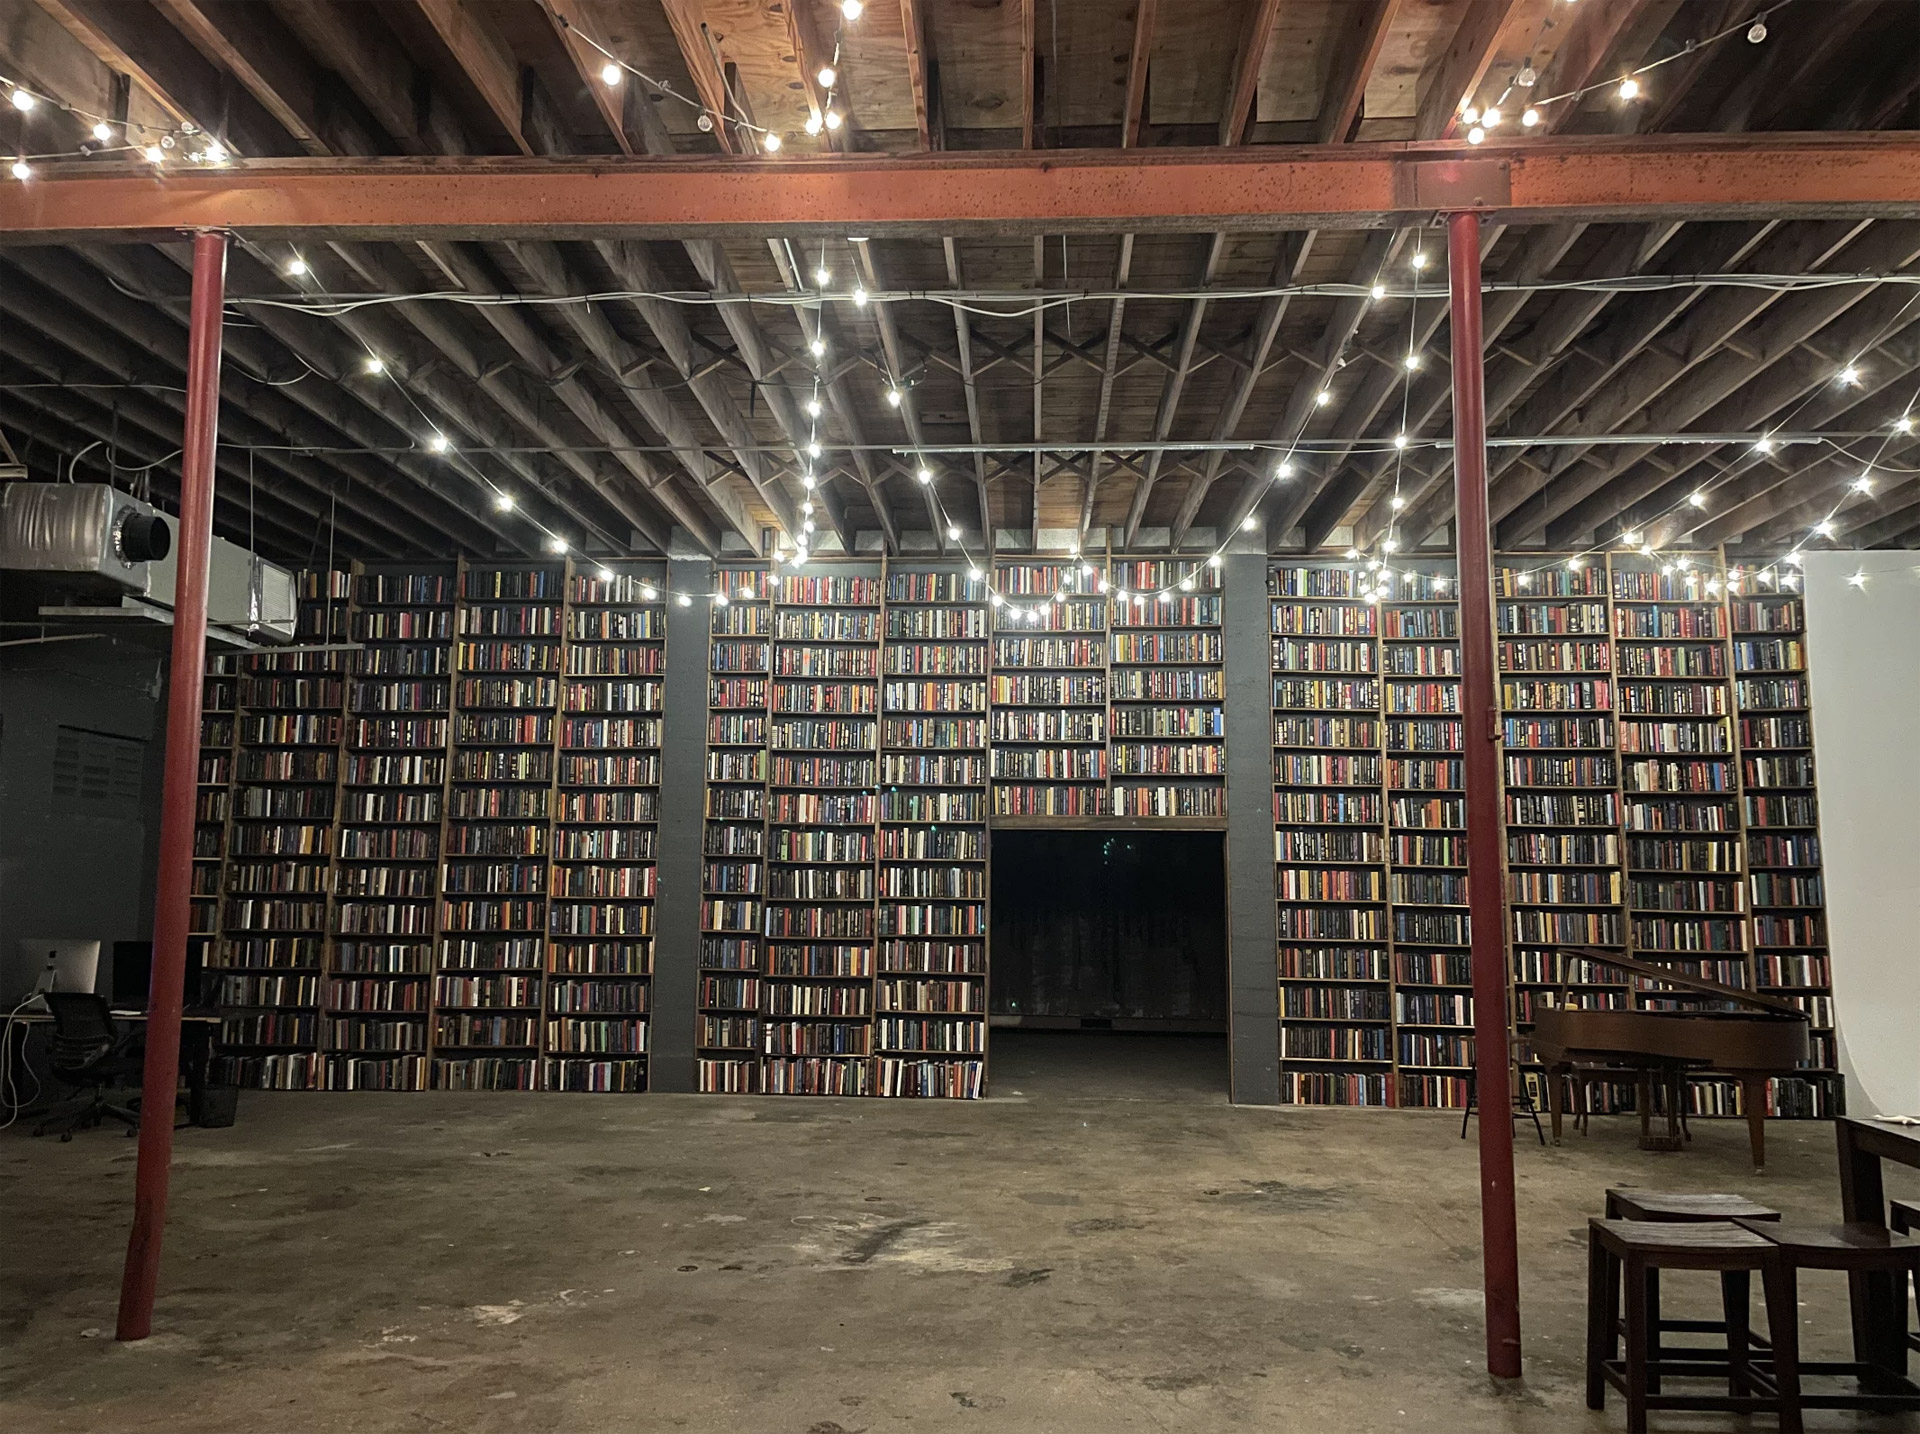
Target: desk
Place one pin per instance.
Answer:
(197, 1030)
(1863, 1200)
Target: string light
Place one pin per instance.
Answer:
(852, 8)
(1378, 291)
(503, 502)
(1629, 88)
(1848, 377)
(610, 74)
(438, 443)
(1863, 484)
(925, 475)
(556, 544)
(771, 143)
(23, 101)
(893, 398)
(1857, 580)
(826, 75)
(684, 600)
(153, 154)
(859, 297)
(833, 119)
(1283, 470)
(1411, 363)
(1698, 500)
(373, 363)
(103, 132)
(296, 266)
(1323, 398)
(22, 171)
(1529, 117)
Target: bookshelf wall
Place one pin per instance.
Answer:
(428, 859)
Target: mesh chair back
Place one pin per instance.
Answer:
(82, 1029)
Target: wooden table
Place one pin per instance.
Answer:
(1863, 1200)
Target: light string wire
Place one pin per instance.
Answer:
(1480, 120)
(154, 144)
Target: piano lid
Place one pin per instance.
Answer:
(1772, 1005)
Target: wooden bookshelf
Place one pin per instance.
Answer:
(278, 873)
(1049, 687)
(601, 885)
(1335, 964)
(931, 982)
(734, 845)
(212, 812)
(1780, 818)
(394, 777)
(497, 844)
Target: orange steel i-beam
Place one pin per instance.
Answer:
(1588, 178)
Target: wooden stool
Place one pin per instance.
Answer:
(1856, 1249)
(1628, 1251)
(1903, 1219)
(1686, 1207)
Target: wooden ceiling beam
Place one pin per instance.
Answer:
(611, 101)
(485, 60)
(1362, 32)
(1133, 115)
(963, 338)
(1029, 73)
(1250, 57)
(136, 40)
(703, 65)
(918, 81)
(1174, 388)
(1464, 64)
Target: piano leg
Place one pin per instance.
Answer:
(1753, 1100)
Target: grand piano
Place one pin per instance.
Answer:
(1766, 1038)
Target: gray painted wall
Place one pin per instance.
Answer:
(1253, 989)
(683, 776)
(65, 872)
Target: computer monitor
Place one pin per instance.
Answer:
(59, 963)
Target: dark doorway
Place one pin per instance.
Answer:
(1110, 930)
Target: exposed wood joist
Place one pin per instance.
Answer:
(1250, 56)
(1363, 29)
(1133, 113)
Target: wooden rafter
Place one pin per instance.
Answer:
(1363, 29)
(1463, 66)
(1250, 58)
(1138, 59)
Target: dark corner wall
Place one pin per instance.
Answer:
(80, 769)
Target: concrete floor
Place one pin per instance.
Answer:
(1105, 1246)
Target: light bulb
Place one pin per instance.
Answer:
(807, 481)
(1249, 523)
(973, 575)
(1400, 440)
(1573, 565)
(1353, 555)
(606, 575)
(833, 119)
(216, 153)
(823, 276)
(993, 598)
(859, 296)
(703, 122)
(807, 526)
(953, 533)
(22, 170)
(771, 143)
(1283, 469)
(1903, 424)
(1214, 561)
(1470, 114)
(1857, 580)
(22, 101)
(1824, 528)
(556, 544)
(153, 154)
(103, 132)
(438, 443)
(1166, 597)
(296, 266)
(813, 450)
(1849, 376)
(719, 599)
(1629, 88)
(684, 600)
(813, 408)
(374, 364)
(1086, 570)
(925, 475)
(807, 507)
(1379, 291)
(1476, 135)
(1398, 502)
(1756, 32)
(1186, 585)
(826, 76)
(1411, 362)
(893, 398)
(1323, 398)
(1120, 594)
(1631, 537)
(1795, 558)
(1419, 258)
(818, 347)
(503, 502)
(1764, 445)
(852, 8)
(1863, 484)
(648, 592)
(1059, 596)
(609, 74)
(1529, 117)
(1526, 580)
(1699, 500)
(813, 124)
(1389, 545)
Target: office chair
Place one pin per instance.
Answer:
(89, 1055)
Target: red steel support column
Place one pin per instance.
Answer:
(175, 876)
(1480, 718)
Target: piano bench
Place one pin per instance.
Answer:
(1905, 1219)
(1892, 1261)
(1623, 1258)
